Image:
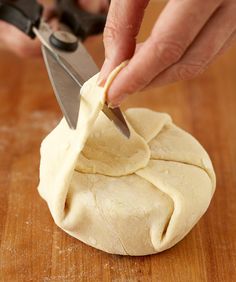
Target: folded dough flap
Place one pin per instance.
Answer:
(115, 213)
(175, 144)
(108, 152)
(146, 122)
(169, 142)
(189, 187)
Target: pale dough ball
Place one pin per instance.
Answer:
(134, 196)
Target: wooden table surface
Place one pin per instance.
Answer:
(33, 248)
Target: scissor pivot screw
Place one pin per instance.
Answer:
(64, 41)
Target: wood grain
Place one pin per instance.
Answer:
(34, 249)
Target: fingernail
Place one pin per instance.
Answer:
(115, 103)
(101, 82)
(112, 106)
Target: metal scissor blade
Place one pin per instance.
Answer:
(80, 60)
(117, 117)
(67, 91)
(78, 68)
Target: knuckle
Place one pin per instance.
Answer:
(25, 50)
(169, 51)
(189, 71)
(110, 32)
(22, 51)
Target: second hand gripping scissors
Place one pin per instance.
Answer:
(68, 63)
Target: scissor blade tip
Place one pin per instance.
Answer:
(126, 132)
(72, 125)
(123, 128)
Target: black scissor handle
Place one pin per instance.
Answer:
(82, 23)
(24, 14)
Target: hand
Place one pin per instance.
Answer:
(187, 36)
(19, 43)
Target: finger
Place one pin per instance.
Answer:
(17, 42)
(94, 6)
(49, 12)
(230, 43)
(174, 31)
(104, 5)
(122, 26)
(216, 36)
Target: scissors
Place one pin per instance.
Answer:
(68, 63)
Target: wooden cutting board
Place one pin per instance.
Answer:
(33, 248)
